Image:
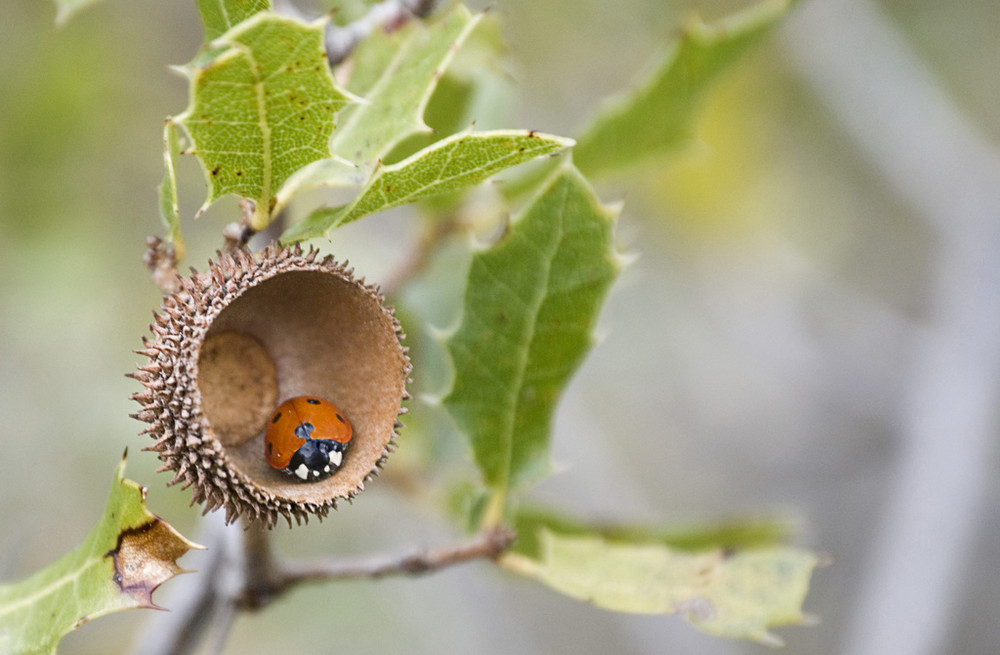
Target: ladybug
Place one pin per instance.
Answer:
(307, 437)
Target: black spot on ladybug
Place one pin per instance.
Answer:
(270, 448)
(312, 401)
(340, 418)
(276, 417)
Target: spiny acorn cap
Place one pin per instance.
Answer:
(231, 343)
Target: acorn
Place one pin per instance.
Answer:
(252, 331)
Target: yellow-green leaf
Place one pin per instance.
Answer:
(262, 107)
(459, 161)
(126, 556)
(732, 534)
(396, 99)
(729, 594)
(657, 116)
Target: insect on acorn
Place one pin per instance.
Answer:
(307, 437)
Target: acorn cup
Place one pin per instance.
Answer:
(232, 343)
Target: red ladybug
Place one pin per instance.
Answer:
(307, 437)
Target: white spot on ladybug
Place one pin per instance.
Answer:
(336, 457)
(326, 469)
(315, 474)
(302, 471)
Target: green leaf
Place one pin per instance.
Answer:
(454, 163)
(738, 595)
(262, 108)
(447, 111)
(530, 306)
(657, 117)
(734, 534)
(219, 16)
(396, 99)
(169, 208)
(126, 556)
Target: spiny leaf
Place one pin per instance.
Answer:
(657, 116)
(219, 16)
(126, 556)
(262, 108)
(529, 311)
(737, 595)
(395, 103)
(450, 164)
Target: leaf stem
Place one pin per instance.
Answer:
(493, 515)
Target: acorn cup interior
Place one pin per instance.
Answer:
(303, 332)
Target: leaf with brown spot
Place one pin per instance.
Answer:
(738, 594)
(248, 93)
(126, 556)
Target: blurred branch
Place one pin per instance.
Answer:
(915, 138)
(434, 234)
(388, 15)
(201, 604)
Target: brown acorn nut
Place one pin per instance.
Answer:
(252, 331)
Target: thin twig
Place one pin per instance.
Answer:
(275, 578)
(238, 234)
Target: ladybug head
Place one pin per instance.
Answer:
(317, 458)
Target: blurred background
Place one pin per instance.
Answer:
(810, 330)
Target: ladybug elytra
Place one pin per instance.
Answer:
(307, 437)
